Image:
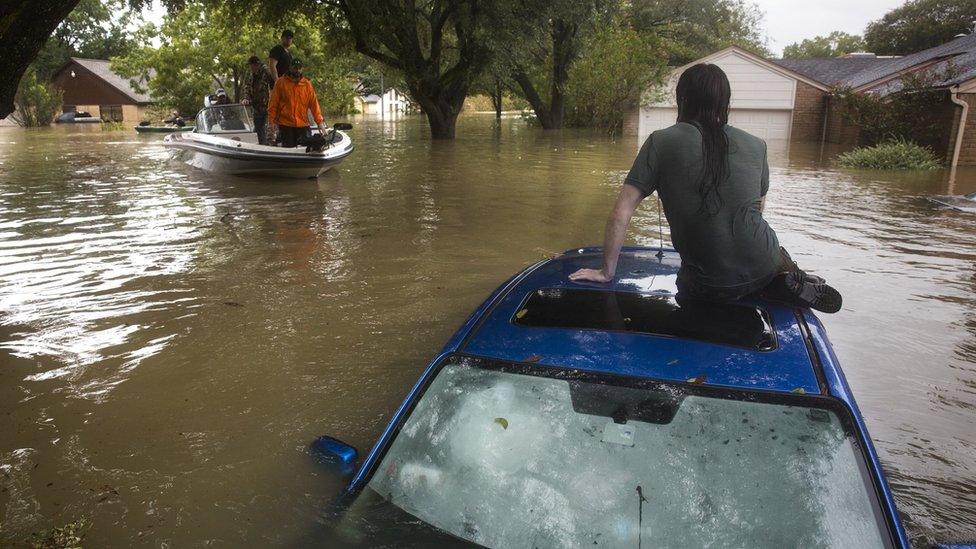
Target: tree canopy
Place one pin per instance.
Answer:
(834, 44)
(696, 28)
(204, 46)
(919, 25)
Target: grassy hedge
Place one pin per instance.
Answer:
(897, 154)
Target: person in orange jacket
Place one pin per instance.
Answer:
(291, 99)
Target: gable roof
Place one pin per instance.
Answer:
(766, 63)
(101, 69)
(881, 75)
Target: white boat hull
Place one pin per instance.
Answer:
(225, 155)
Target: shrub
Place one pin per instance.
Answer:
(36, 102)
(896, 154)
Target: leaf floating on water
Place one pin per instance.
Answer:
(502, 421)
(521, 313)
(799, 391)
(697, 380)
(532, 358)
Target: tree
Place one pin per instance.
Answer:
(919, 25)
(695, 28)
(834, 44)
(96, 29)
(541, 56)
(37, 101)
(620, 68)
(205, 45)
(24, 27)
(438, 46)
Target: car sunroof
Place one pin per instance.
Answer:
(725, 324)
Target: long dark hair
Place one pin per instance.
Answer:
(703, 95)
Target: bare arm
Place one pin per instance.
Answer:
(273, 66)
(616, 233)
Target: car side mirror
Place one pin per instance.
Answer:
(342, 126)
(335, 453)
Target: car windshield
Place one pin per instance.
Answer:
(233, 118)
(500, 457)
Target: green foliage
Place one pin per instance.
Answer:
(896, 154)
(919, 25)
(95, 29)
(695, 28)
(904, 114)
(834, 44)
(68, 536)
(620, 66)
(37, 101)
(206, 45)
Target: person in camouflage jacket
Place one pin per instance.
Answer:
(257, 90)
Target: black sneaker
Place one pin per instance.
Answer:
(811, 291)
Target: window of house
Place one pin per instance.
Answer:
(111, 113)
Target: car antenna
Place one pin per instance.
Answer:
(640, 514)
(660, 229)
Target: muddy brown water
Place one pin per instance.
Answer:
(172, 340)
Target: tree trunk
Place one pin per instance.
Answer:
(442, 105)
(534, 99)
(24, 27)
(496, 99)
(563, 53)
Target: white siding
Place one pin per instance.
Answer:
(753, 85)
(762, 99)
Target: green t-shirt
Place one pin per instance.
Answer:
(732, 247)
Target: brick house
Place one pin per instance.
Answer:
(90, 85)
(788, 100)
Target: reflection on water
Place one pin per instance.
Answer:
(171, 340)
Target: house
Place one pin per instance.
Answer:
(392, 101)
(91, 85)
(789, 100)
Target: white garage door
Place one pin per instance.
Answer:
(768, 124)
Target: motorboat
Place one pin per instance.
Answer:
(578, 414)
(163, 129)
(224, 141)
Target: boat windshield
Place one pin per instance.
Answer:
(234, 118)
(502, 456)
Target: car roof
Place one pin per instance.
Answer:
(493, 332)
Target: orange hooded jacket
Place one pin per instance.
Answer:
(290, 102)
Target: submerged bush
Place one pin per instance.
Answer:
(897, 154)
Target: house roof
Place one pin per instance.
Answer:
(881, 75)
(767, 63)
(831, 70)
(101, 69)
(958, 48)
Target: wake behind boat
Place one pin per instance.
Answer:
(224, 141)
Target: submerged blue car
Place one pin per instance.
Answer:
(567, 414)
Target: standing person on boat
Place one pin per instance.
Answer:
(257, 93)
(279, 58)
(291, 99)
(712, 180)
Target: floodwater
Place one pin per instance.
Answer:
(171, 340)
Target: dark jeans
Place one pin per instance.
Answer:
(689, 289)
(261, 126)
(289, 136)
